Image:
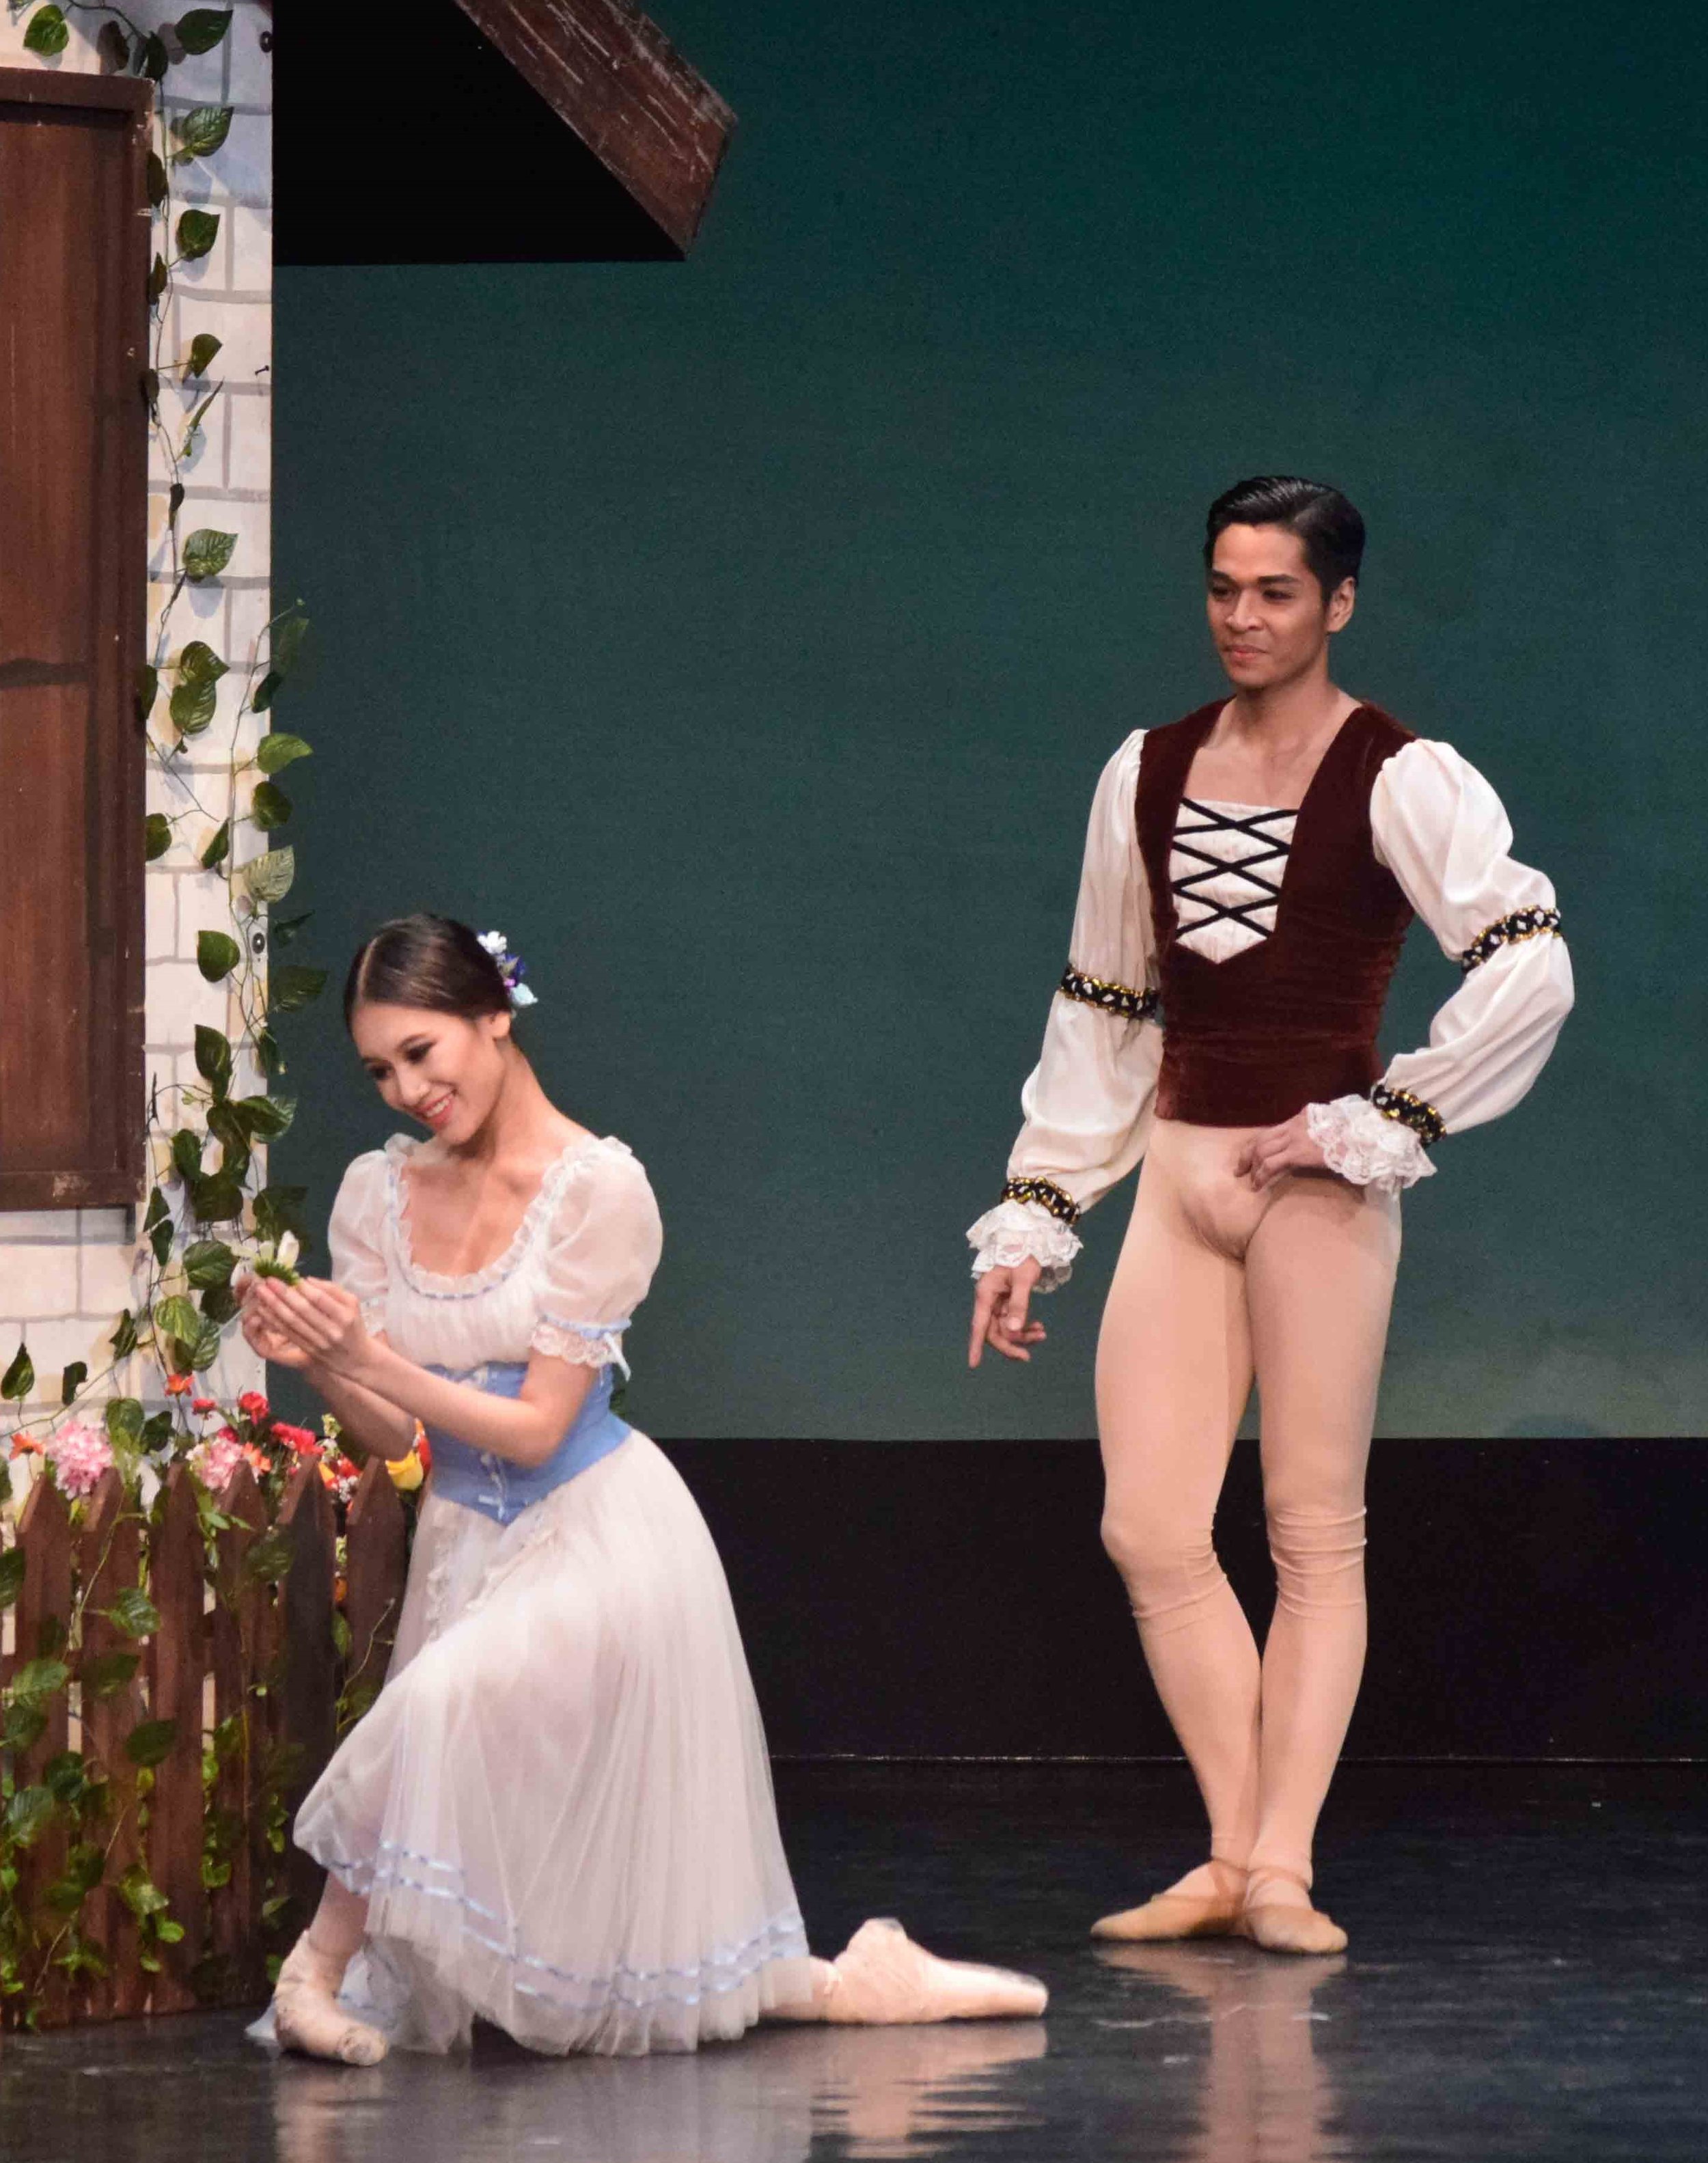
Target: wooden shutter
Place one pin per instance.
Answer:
(74, 331)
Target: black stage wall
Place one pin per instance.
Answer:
(1528, 1599)
(744, 638)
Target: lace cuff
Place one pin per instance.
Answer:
(374, 1315)
(1363, 1145)
(582, 1343)
(1016, 1232)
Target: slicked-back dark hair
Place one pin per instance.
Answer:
(1332, 531)
(423, 960)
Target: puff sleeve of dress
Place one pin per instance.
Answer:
(356, 1235)
(602, 1247)
(1088, 1103)
(1441, 829)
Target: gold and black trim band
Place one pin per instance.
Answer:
(1522, 924)
(1112, 999)
(1046, 1194)
(1423, 1119)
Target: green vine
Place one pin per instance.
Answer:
(210, 1207)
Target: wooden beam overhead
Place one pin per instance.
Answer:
(610, 74)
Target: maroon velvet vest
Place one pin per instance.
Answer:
(1292, 1020)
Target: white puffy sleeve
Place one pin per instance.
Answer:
(1440, 829)
(603, 1246)
(1088, 1103)
(356, 1235)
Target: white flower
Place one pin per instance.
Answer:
(521, 996)
(495, 943)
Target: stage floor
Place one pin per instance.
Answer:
(1527, 1977)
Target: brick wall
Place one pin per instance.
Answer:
(65, 1274)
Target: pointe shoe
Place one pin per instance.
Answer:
(881, 1978)
(308, 2017)
(1279, 1927)
(1177, 1915)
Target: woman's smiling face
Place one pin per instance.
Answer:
(443, 1070)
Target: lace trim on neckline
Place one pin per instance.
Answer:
(434, 1284)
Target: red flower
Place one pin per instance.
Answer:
(297, 1438)
(206, 1405)
(423, 1448)
(179, 1385)
(254, 1405)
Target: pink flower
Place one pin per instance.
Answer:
(214, 1461)
(79, 1454)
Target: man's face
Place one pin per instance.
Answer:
(1267, 614)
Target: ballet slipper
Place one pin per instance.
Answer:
(881, 1978)
(1281, 1926)
(1180, 1915)
(308, 2017)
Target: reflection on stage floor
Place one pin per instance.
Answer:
(1527, 1977)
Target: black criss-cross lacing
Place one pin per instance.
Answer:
(1239, 912)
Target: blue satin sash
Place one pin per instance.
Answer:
(498, 1489)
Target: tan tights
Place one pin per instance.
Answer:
(1217, 1283)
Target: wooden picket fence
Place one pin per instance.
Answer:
(257, 1647)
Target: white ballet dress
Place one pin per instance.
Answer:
(559, 1808)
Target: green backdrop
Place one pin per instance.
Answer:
(744, 640)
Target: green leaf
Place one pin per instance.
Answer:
(227, 1127)
(265, 1118)
(217, 954)
(202, 348)
(11, 1575)
(50, 1636)
(218, 1200)
(294, 986)
(198, 663)
(209, 1337)
(133, 1612)
(219, 1303)
(40, 1678)
(160, 1240)
(158, 1212)
(151, 391)
(65, 1776)
(269, 806)
(49, 32)
(279, 1210)
(285, 639)
(269, 878)
(213, 1059)
(176, 1317)
(199, 134)
(19, 1379)
(208, 1263)
(72, 1380)
(174, 501)
(186, 1153)
(192, 427)
(267, 1052)
(265, 691)
(140, 1894)
(148, 685)
(28, 1815)
(202, 29)
(214, 855)
(281, 749)
(197, 231)
(150, 1740)
(206, 552)
(157, 1431)
(157, 280)
(155, 58)
(122, 1340)
(191, 707)
(22, 1725)
(115, 48)
(104, 1674)
(157, 180)
(157, 836)
(269, 1557)
(124, 1421)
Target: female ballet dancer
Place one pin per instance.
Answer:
(558, 1816)
(1251, 871)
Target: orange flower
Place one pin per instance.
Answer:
(24, 1445)
(257, 1460)
(179, 1385)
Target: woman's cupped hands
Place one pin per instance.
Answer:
(313, 1323)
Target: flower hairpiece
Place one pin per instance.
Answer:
(511, 966)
